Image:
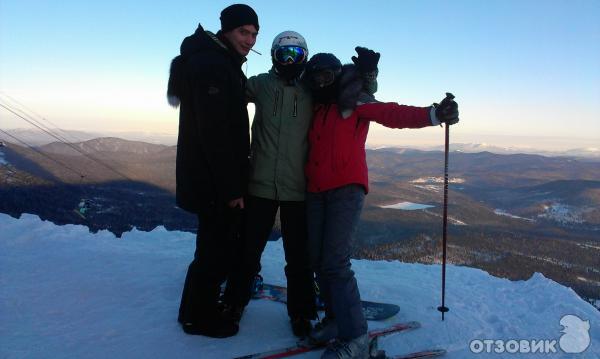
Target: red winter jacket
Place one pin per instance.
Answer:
(337, 145)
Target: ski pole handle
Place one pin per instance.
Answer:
(450, 97)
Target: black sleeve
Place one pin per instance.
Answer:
(212, 97)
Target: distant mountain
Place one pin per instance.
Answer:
(584, 152)
(37, 137)
(592, 153)
(572, 203)
(486, 169)
(105, 144)
(106, 159)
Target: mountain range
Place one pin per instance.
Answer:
(592, 153)
(588, 150)
(509, 214)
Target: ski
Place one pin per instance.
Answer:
(420, 355)
(304, 346)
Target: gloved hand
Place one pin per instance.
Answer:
(447, 110)
(367, 60)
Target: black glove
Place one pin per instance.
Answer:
(447, 110)
(367, 60)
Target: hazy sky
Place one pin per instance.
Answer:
(519, 68)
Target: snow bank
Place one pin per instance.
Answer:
(502, 212)
(66, 293)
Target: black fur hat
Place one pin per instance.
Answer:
(322, 61)
(237, 15)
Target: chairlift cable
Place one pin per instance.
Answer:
(43, 153)
(24, 107)
(89, 156)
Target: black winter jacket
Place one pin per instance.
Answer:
(213, 142)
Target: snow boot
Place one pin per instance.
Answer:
(214, 325)
(232, 312)
(301, 327)
(357, 348)
(374, 351)
(324, 331)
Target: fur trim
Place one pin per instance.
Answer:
(351, 91)
(173, 101)
(174, 91)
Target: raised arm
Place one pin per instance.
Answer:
(366, 62)
(394, 115)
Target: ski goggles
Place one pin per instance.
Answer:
(324, 78)
(290, 55)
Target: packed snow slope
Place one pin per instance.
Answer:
(67, 293)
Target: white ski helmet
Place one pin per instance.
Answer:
(289, 38)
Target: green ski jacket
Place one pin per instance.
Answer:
(279, 137)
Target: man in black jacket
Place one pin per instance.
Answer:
(207, 82)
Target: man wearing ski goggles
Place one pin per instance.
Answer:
(283, 115)
(290, 55)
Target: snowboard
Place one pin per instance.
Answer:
(371, 310)
(305, 346)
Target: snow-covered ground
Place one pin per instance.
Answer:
(66, 293)
(431, 180)
(501, 212)
(435, 184)
(430, 187)
(562, 213)
(408, 206)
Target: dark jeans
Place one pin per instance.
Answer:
(332, 219)
(260, 217)
(218, 231)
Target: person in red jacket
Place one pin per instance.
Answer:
(337, 182)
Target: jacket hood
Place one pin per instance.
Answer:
(199, 41)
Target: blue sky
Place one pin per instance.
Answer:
(519, 69)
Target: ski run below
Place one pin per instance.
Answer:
(408, 206)
(67, 293)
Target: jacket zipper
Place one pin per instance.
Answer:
(275, 103)
(295, 114)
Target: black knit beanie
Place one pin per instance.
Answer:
(238, 15)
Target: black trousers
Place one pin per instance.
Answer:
(259, 219)
(218, 234)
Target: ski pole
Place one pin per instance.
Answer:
(443, 307)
